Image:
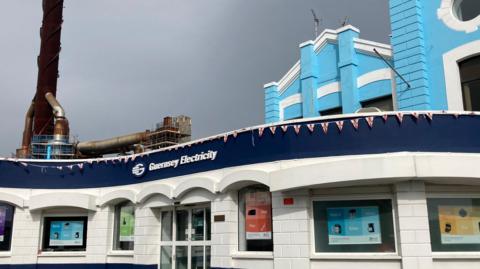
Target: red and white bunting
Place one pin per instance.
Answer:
(80, 166)
(354, 123)
(60, 168)
(70, 167)
(399, 117)
(415, 115)
(385, 117)
(272, 129)
(89, 161)
(235, 134)
(456, 115)
(24, 164)
(297, 128)
(284, 128)
(260, 131)
(225, 138)
(339, 125)
(311, 127)
(325, 127)
(370, 121)
(429, 115)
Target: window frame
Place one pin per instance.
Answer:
(45, 235)
(115, 229)
(252, 252)
(446, 14)
(449, 195)
(10, 236)
(354, 255)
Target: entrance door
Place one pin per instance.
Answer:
(185, 238)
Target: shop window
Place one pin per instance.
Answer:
(255, 219)
(383, 103)
(454, 224)
(65, 234)
(6, 225)
(124, 227)
(470, 76)
(353, 226)
(466, 10)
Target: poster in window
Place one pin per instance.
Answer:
(127, 225)
(353, 225)
(258, 217)
(66, 233)
(459, 224)
(3, 217)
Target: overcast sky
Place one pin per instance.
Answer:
(125, 64)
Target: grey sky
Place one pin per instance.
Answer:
(126, 64)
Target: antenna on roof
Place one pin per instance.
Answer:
(345, 21)
(316, 21)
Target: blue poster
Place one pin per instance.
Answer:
(353, 225)
(66, 233)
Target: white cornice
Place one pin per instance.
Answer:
(328, 89)
(268, 85)
(289, 101)
(367, 47)
(289, 78)
(376, 75)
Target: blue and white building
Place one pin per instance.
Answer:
(317, 186)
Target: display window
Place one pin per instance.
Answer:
(124, 229)
(65, 234)
(255, 219)
(454, 224)
(353, 226)
(6, 226)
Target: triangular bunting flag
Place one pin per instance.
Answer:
(339, 125)
(354, 123)
(235, 134)
(370, 121)
(456, 115)
(415, 115)
(260, 131)
(429, 115)
(399, 117)
(60, 168)
(24, 164)
(385, 117)
(297, 128)
(272, 129)
(225, 138)
(284, 128)
(324, 127)
(311, 127)
(80, 166)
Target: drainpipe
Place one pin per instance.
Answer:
(24, 151)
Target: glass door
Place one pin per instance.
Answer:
(185, 238)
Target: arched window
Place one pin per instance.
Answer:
(470, 78)
(255, 219)
(124, 229)
(466, 10)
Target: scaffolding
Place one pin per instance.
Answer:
(172, 131)
(51, 147)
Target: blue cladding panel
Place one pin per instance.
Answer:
(249, 148)
(292, 89)
(375, 89)
(328, 63)
(330, 101)
(293, 112)
(368, 63)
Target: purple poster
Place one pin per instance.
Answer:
(3, 213)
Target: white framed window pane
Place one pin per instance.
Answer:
(197, 257)
(198, 221)
(181, 257)
(166, 223)
(166, 257)
(354, 226)
(182, 225)
(207, 256)
(124, 226)
(454, 224)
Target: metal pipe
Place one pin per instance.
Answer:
(24, 151)
(111, 145)
(58, 110)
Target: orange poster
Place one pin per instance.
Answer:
(459, 224)
(258, 219)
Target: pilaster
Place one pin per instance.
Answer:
(348, 66)
(308, 78)
(272, 110)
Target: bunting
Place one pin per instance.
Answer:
(272, 129)
(399, 116)
(370, 121)
(225, 138)
(385, 117)
(311, 127)
(284, 128)
(260, 131)
(429, 115)
(297, 128)
(324, 127)
(354, 123)
(339, 125)
(235, 134)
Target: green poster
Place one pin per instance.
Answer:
(127, 224)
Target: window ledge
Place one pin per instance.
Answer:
(267, 255)
(63, 254)
(455, 255)
(121, 253)
(355, 256)
(5, 254)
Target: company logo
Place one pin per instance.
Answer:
(139, 170)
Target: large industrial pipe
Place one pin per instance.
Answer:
(24, 151)
(61, 128)
(112, 145)
(50, 33)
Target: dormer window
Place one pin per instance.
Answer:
(466, 10)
